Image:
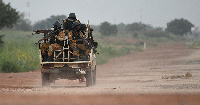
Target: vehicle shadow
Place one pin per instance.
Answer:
(60, 86)
(56, 87)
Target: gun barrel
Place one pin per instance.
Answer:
(42, 31)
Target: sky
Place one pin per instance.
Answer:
(153, 12)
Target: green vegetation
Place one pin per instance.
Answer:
(19, 53)
(125, 42)
(193, 44)
(107, 52)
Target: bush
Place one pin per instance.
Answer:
(8, 67)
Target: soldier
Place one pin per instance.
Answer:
(56, 31)
(44, 46)
(67, 23)
(73, 36)
(57, 39)
(78, 43)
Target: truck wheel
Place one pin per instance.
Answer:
(89, 78)
(45, 80)
(94, 76)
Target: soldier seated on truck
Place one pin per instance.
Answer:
(67, 23)
(78, 43)
(57, 39)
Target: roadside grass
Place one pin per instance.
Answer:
(125, 42)
(193, 44)
(20, 54)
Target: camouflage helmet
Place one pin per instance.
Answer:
(57, 23)
(75, 24)
(72, 15)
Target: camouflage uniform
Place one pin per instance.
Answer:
(56, 41)
(44, 47)
(78, 43)
(58, 44)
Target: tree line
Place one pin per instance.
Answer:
(177, 26)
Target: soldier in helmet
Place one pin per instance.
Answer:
(57, 39)
(78, 43)
(47, 43)
(73, 36)
(56, 30)
(67, 23)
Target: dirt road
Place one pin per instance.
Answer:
(154, 76)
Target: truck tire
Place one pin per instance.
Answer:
(45, 80)
(89, 78)
(94, 76)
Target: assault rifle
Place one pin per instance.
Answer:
(42, 31)
(90, 39)
(47, 34)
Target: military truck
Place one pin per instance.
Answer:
(63, 64)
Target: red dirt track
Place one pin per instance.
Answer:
(134, 79)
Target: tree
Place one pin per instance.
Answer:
(8, 16)
(138, 27)
(179, 26)
(114, 29)
(23, 24)
(48, 23)
(121, 27)
(108, 29)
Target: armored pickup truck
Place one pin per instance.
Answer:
(62, 62)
